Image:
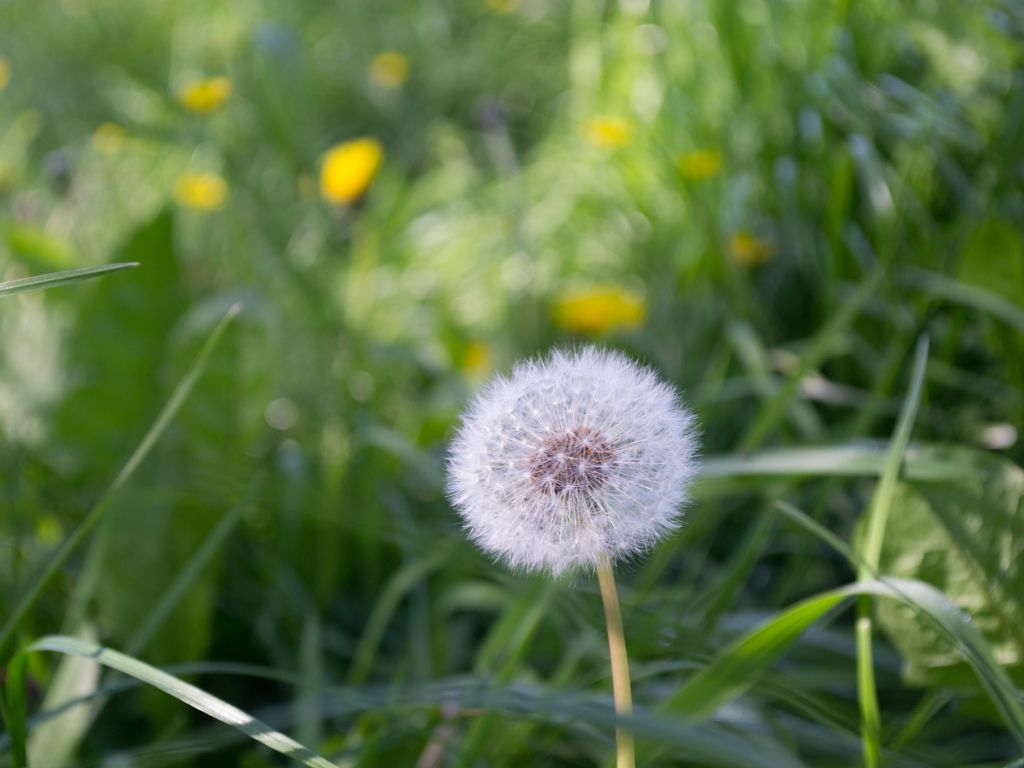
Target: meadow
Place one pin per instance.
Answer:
(222, 464)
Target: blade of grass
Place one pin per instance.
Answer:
(88, 523)
(737, 669)
(850, 460)
(170, 598)
(397, 587)
(878, 517)
(971, 296)
(179, 689)
(54, 279)
(769, 416)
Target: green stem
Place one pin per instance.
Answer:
(625, 756)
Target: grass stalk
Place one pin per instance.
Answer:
(625, 752)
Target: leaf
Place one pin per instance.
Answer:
(54, 279)
(156, 429)
(115, 352)
(967, 539)
(53, 743)
(738, 668)
(179, 689)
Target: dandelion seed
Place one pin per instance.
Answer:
(699, 166)
(573, 458)
(599, 310)
(389, 69)
(608, 132)
(748, 250)
(201, 191)
(207, 95)
(348, 170)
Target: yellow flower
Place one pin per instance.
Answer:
(108, 138)
(700, 165)
(476, 361)
(206, 95)
(608, 132)
(348, 170)
(748, 250)
(502, 6)
(389, 69)
(598, 310)
(201, 191)
(5, 72)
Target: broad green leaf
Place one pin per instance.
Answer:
(992, 258)
(37, 248)
(966, 538)
(115, 351)
(54, 279)
(179, 689)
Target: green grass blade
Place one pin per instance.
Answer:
(184, 692)
(397, 587)
(170, 598)
(878, 517)
(770, 416)
(16, 710)
(163, 419)
(972, 296)
(739, 666)
(54, 279)
(849, 460)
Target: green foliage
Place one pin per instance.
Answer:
(800, 192)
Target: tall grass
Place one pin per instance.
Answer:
(800, 191)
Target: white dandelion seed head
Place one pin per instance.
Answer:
(572, 457)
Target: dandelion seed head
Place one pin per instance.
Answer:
(572, 457)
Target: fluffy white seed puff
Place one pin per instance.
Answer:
(574, 456)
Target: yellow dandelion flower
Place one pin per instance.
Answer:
(348, 170)
(608, 132)
(5, 72)
(476, 360)
(598, 310)
(502, 6)
(389, 69)
(700, 165)
(201, 191)
(206, 95)
(748, 250)
(108, 138)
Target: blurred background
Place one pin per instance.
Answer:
(768, 201)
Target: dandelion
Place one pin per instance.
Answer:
(108, 138)
(389, 69)
(348, 170)
(476, 360)
(700, 165)
(201, 191)
(5, 72)
(575, 460)
(608, 132)
(599, 310)
(206, 95)
(748, 250)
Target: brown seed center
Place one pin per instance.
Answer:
(576, 461)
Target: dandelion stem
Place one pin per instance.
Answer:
(624, 751)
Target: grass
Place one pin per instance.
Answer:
(791, 193)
